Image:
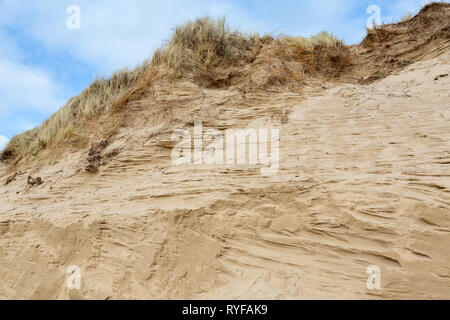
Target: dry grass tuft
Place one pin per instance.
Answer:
(201, 50)
(321, 40)
(407, 17)
(198, 47)
(100, 97)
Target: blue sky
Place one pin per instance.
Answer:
(43, 63)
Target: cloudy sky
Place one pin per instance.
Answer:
(43, 63)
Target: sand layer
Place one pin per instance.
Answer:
(364, 180)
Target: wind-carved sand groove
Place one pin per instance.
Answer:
(364, 180)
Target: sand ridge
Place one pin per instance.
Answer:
(363, 181)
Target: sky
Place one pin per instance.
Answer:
(45, 59)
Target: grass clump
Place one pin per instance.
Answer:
(98, 98)
(200, 46)
(206, 49)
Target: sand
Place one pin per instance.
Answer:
(363, 180)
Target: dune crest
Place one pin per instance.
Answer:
(363, 179)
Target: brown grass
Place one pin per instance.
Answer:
(407, 17)
(103, 95)
(198, 47)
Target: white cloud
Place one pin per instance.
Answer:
(24, 88)
(113, 34)
(3, 142)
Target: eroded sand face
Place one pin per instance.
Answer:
(364, 180)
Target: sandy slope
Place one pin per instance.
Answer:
(364, 180)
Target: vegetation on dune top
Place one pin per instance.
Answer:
(322, 39)
(95, 100)
(202, 44)
(204, 49)
(195, 49)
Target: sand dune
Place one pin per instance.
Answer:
(363, 180)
